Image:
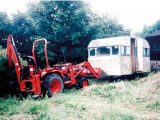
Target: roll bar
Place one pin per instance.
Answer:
(45, 50)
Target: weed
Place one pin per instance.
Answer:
(154, 106)
(9, 106)
(44, 116)
(120, 116)
(35, 109)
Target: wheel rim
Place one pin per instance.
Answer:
(55, 86)
(85, 83)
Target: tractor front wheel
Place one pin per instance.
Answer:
(82, 83)
(53, 83)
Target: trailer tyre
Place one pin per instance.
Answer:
(53, 84)
(82, 83)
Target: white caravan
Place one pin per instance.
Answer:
(118, 56)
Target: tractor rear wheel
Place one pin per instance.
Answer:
(82, 83)
(53, 83)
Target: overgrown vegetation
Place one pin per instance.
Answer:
(68, 26)
(125, 100)
(8, 77)
(3, 63)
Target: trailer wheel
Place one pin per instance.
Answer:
(82, 83)
(53, 83)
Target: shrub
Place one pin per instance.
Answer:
(8, 78)
(3, 64)
(3, 70)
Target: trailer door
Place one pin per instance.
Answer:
(133, 55)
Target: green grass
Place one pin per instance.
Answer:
(125, 100)
(154, 106)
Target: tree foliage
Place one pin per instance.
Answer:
(150, 29)
(104, 27)
(5, 25)
(69, 26)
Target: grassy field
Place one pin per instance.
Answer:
(125, 100)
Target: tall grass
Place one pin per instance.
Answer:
(125, 100)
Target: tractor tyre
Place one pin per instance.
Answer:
(52, 84)
(82, 83)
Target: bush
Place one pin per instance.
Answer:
(8, 78)
(3, 69)
(3, 64)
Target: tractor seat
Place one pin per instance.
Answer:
(30, 60)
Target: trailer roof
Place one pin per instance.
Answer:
(110, 41)
(122, 40)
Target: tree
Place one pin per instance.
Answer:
(105, 26)
(22, 30)
(150, 29)
(64, 24)
(5, 25)
(70, 26)
(22, 26)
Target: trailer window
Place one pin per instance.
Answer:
(103, 51)
(115, 50)
(92, 52)
(125, 50)
(146, 52)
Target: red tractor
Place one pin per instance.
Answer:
(49, 80)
